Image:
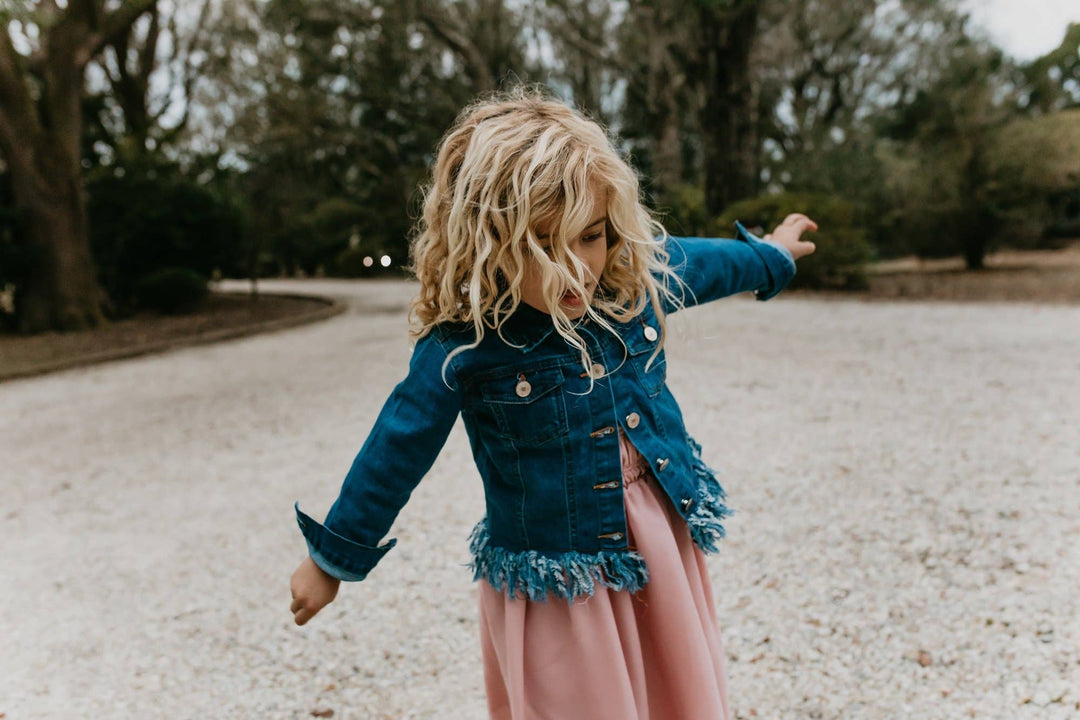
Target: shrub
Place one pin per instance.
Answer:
(842, 248)
(149, 218)
(172, 290)
(350, 263)
(682, 210)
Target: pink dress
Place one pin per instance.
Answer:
(651, 655)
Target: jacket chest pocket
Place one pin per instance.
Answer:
(528, 405)
(640, 344)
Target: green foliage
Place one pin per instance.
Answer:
(852, 171)
(350, 263)
(939, 150)
(143, 219)
(682, 210)
(172, 290)
(842, 249)
(1053, 80)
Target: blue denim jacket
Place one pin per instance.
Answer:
(546, 447)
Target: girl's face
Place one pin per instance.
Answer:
(590, 247)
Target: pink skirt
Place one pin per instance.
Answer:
(650, 655)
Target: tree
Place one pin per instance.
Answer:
(720, 72)
(942, 142)
(130, 115)
(486, 36)
(690, 81)
(1054, 79)
(41, 125)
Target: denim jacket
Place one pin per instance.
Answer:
(545, 445)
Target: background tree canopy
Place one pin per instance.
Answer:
(258, 137)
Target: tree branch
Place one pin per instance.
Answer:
(459, 42)
(116, 24)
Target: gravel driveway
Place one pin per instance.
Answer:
(906, 545)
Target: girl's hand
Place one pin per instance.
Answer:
(788, 232)
(312, 590)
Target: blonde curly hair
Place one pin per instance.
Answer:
(514, 168)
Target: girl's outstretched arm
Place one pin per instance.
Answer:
(713, 268)
(411, 429)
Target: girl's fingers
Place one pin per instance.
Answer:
(799, 222)
(296, 605)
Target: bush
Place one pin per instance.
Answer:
(172, 290)
(842, 248)
(682, 210)
(149, 218)
(350, 263)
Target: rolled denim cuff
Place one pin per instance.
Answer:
(779, 262)
(338, 556)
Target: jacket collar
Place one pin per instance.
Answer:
(527, 327)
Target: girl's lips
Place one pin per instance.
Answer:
(572, 298)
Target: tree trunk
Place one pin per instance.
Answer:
(662, 108)
(728, 116)
(40, 141)
(60, 290)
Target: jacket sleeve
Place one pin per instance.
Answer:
(408, 434)
(712, 268)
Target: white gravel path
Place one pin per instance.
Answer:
(907, 480)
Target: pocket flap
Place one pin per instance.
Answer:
(523, 387)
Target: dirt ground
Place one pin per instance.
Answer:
(22, 355)
(905, 476)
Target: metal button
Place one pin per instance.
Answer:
(661, 463)
(650, 333)
(687, 504)
(597, 370)
(523, 388)
(633, 420)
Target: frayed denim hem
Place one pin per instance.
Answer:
(706, 527)
(567, 575)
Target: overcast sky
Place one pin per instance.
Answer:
(1025, 29)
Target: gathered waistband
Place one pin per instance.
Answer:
(634, 466)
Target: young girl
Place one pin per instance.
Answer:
(544, 288)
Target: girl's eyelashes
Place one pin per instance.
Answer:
(591, 238)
